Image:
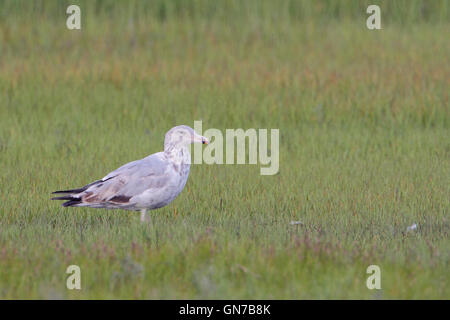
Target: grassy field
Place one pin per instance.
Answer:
(364, 123)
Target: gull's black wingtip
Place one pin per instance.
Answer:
(72, 201)
(64, 198)
(70, 191)
(79, 190)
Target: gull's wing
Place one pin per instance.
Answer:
(118, 188)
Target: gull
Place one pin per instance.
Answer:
(146, 184)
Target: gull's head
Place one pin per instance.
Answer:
(182, 136)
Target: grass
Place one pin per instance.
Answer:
(364, 149)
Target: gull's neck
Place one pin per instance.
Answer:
(178, 154)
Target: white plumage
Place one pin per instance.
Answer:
(146, 184)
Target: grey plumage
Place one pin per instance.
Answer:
(149, 183)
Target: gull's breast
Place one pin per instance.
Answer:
(155, 198)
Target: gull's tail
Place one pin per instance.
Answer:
(73, 201)
(72, 197)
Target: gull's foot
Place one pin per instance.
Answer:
(145, 218)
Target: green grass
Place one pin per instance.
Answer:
(364, 125)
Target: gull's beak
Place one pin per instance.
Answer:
(198, 138)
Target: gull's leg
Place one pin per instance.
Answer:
(144, 217)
